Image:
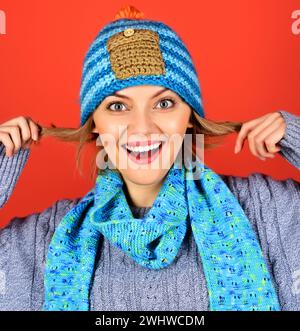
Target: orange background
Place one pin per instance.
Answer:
(245, 53)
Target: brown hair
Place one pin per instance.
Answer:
(213, 133)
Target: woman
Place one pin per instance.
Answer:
(151, 235)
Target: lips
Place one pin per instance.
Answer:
(150, 151)
(142, 143)
(144, 157)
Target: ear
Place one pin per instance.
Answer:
(190, 125)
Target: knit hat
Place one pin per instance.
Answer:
(132, 51)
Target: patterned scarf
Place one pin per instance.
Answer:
(236, 274)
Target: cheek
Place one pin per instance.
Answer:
(104, 124)
(176, 123)
(109, 132)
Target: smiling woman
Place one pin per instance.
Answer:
(213, 131)
(153, 235)
(142, 115)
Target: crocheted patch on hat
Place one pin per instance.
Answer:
(135, 52)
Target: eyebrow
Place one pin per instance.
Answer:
(155, 95)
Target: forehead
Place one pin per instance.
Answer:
(144, 91)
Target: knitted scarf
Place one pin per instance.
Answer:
(236, 274)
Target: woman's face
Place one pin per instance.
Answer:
(144, 116)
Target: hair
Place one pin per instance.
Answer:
(213, 131)
(83, 135)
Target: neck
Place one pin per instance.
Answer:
(141, 195)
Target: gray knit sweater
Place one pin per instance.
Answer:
(119, 283)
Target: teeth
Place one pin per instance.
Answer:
(140, 149)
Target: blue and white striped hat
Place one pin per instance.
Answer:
(129, 52)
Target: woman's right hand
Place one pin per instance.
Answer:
(18, 132)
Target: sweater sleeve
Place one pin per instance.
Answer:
(273, 208)
(10, 170)
(24, 241)
(290, 142)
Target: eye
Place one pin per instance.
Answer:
(164, 102)
(118, 109)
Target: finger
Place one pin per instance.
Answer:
(267, 120)
(273, 138)
(246, 128)
(7, 142)
(252, 135)
(25, 129)
(28, 144)
(259, 139)
(15, 135)
(22, 122)
(34, 129)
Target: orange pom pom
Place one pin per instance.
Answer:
(129, 12)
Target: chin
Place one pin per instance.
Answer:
(144, 176)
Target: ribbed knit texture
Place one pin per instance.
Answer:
(121, 284)
(10, 170)
(129, 52)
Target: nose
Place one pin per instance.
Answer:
(142, 122)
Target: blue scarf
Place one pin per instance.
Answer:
(236, 274)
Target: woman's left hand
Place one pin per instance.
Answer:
(263, 134)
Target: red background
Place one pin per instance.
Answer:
(245, 53)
